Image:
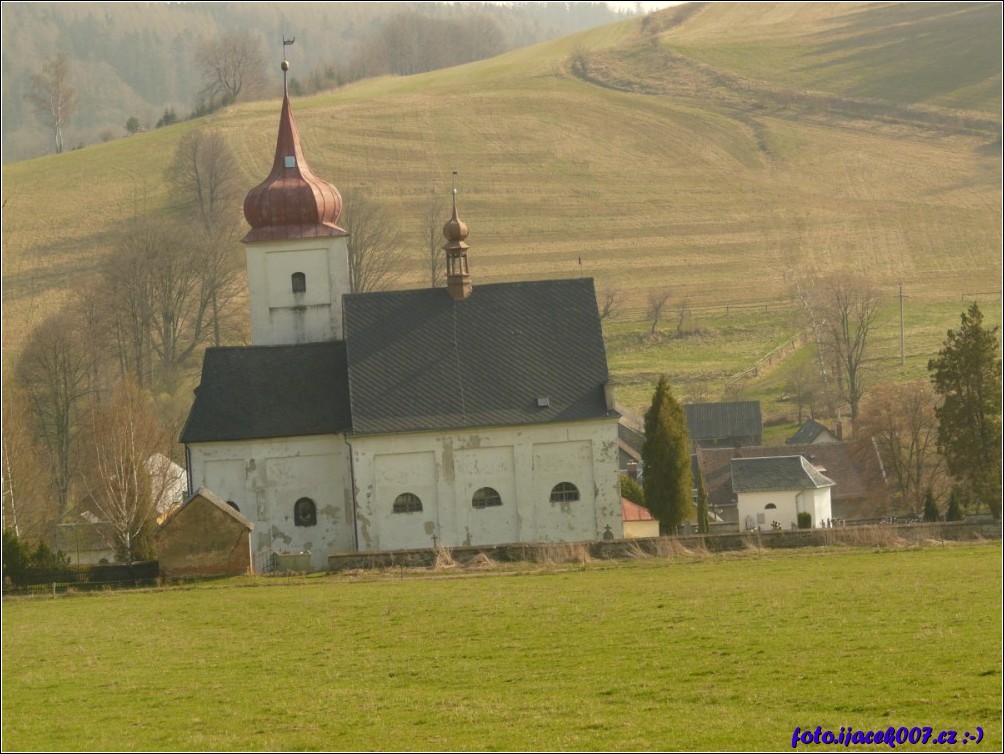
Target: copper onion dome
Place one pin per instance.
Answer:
(455, 230)
(292, 202)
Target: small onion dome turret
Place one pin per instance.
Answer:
(292, 202)
(455, 230)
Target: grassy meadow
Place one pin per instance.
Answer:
(720, 185)
(691, 652)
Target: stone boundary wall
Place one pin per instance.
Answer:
(888, 535)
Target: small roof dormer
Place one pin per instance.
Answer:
(291, 202)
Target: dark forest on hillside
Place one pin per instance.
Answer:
(139, 63)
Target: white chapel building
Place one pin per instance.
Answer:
(459, 416)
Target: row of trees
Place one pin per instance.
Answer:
(94, 394)
(917, 441)
(215, 56)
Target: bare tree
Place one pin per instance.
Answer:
(657, 300)
(52, 97)
(232, 65)
(206, 184)
(483, 37)
(804, 290)
(27, 505)
(682, 315)
(803, 384)
(896, 441)
(849, 308)
(434, 215)
(579, 60)
(375, 244)
(219, 266)
(610, 303)
(205, 180)
(122, 484)
(55, 371)
(171, 287)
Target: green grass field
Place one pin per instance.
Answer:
(685, 162)
(694, 652)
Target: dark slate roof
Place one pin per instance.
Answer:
(270, 391)
(709, 421)
(630, 436)
(419, 360)
(776, 473)
(832, 459)
(629, 443)
(807, 433)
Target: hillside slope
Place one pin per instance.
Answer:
(659, 153)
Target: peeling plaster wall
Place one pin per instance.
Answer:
(266, 477)
(521, 463)
(281, 317)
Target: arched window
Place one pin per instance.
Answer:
(304, 512)
(564, 492)
(407, 503)
(233, 505)
(770, 507)
(486, 497)
(299, 282)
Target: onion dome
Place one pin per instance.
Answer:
(292, 202)
(455, 230)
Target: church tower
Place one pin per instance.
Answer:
(297, 255)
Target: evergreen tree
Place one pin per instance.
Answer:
(666, 454)
(967, 376)
(930, 507)
(702, 506)
(631, 490)
(954, 512)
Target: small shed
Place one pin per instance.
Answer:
(206, 536)
(638, 521)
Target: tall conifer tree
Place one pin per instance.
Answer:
(967, 375)
(666, 454)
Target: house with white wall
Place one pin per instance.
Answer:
(464, 415)
(777, 489)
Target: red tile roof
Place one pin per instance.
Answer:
(632, 512)
(292, 202)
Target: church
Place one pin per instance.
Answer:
(460, 416)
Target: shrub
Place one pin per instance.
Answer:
(804, 520)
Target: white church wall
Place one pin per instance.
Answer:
(409, 473)
(522, 464)
(491, 468)
(280, 316)
(265, 478)
(556, 463)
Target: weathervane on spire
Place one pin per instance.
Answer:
(285, 63)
